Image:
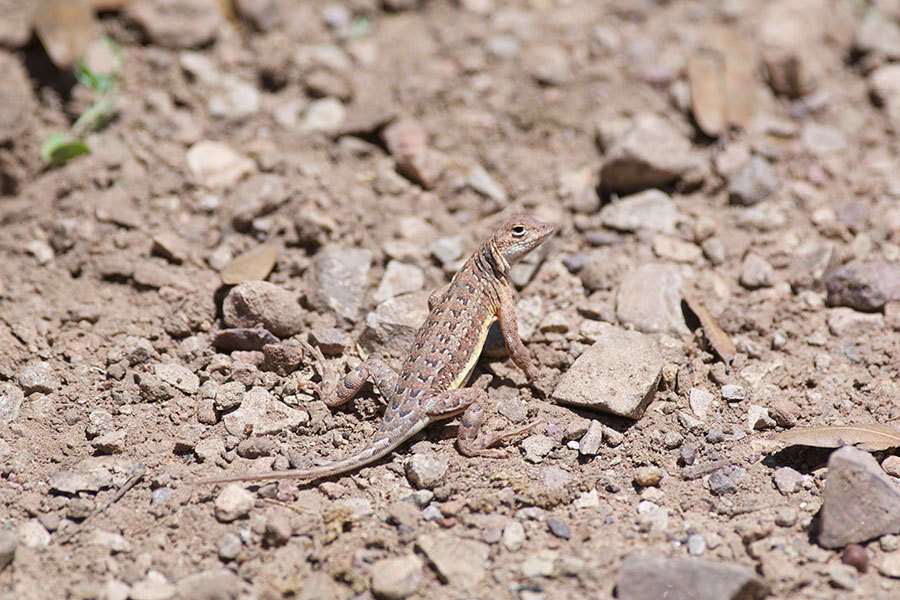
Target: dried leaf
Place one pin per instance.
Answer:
(718, 339)
(254, 264)
(865, 437)
(65, 28)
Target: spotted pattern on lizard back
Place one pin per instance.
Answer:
(447, 346)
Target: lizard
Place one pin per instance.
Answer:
(429, 385)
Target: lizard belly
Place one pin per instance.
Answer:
(474, 355)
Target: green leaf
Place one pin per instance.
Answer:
(59, 148)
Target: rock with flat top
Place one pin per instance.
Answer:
(859, 502)
(618, 374)
(646, 577)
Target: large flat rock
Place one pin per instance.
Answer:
(859, 502)
(618, 374)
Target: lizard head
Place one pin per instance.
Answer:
(520, 235)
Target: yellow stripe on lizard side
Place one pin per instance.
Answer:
(463, 376)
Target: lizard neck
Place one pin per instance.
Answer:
(490, 262)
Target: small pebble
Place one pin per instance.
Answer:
(721, 484)
(786, 516)
(843, 576)
(696, 544)
(889, 542)
(672, 440)
(559, 528)
(856, 556)
(648, 475)
(891, 465)
(229, 546)
(733, 393)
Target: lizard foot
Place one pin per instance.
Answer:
(511, 433)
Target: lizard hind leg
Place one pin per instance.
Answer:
(335, 390)
(471, 402)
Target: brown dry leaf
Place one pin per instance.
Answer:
(65, 28)
(254, 264)
(722, 76)
(108, 4)
(865, 437)
(718, 339)
(706, 76)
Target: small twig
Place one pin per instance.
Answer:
(123, 489)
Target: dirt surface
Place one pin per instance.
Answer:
(386, 128)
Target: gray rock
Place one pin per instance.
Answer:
(8, 544)
(733, 393)
(254, 303)
(696, 544)
(425, 470)
(652, 518)
(399, 278)
(650, 210)
(884, 83)
(479, 180)
(787, 480)
(589, 445)
(720, 483)
(649, 298)
(341, 278)
(865, 286)
(215, 584)
(38, 376)
(651, 153)
(618, 374)
(233, 503)
(714, 250)
(229, 546)
(459, 562)
(177, 23)
(11, 398)
(397, 578)
(447, 250)
(537, 446)
(844, 577)
(264, 414)
(112, 442)
(846, 322)
(216, 165)
(234, 98)
(645, 577)
(209, 449)
(513, 536)
(700, 402)
(278, 528)
(559, 528)
(229, 395)
(134, 350)
(879, 34)
(755, 181)
(859, 502)
(154, 586)
(326, 114)
(392, 326)
(81, 478)
(331, 341)
(756, 272)
(178, 377)
(822, 140)
(758, 418)
(32, 534)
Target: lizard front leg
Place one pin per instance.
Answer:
(334, 391)
(471, 402)
(506, 314)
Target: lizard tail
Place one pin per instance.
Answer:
(364, 457)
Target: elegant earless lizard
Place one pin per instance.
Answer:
(429, 386)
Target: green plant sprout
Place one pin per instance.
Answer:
(59, 148)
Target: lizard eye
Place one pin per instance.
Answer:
(518, 231)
